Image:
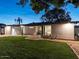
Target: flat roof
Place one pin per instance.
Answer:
(2, 25)
(48, 23)
(42, 23)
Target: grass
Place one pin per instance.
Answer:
(20, 48)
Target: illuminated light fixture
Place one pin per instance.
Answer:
(68, 25)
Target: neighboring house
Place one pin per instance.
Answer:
(46, 30)
(2, 29)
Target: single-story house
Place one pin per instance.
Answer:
(46, 29)
(2, 29)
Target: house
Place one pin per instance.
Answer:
(46, 29)
(2, 29)
(54, 30)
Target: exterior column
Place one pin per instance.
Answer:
(43, 30)
(11, 30)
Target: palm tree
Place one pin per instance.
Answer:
(19, 21)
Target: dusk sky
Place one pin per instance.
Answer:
(9, 11)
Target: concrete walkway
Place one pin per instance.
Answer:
(75, 47)
(73, 44)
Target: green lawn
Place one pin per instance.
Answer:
(20, 48)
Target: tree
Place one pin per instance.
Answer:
(22, 2)
(18, 20)
(56, 15)
(39, 5)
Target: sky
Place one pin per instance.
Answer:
(10, 11)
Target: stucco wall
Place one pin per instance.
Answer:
(47, 29)
(29, 30)
(8, 30)
(16, 30)
(12, 30)
(32, 30)
(38, 30)
(26, 30)
(63, 31)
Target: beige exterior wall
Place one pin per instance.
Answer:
(63, 31)
(12, 30)
(48, 30)
(29, 30)
(38, 30)
(16, 30)
(8, 30)
(32, 30)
